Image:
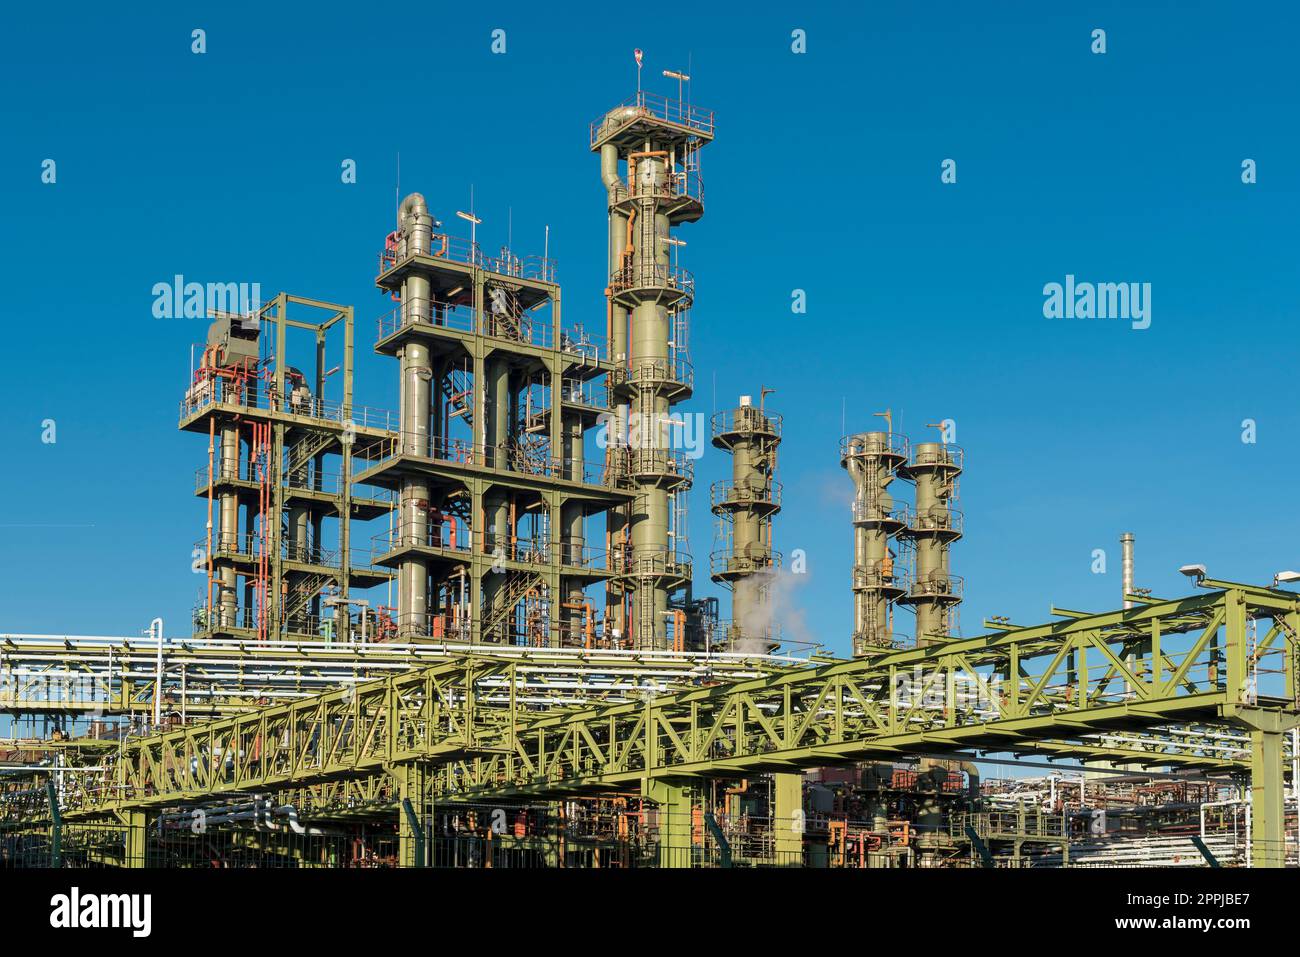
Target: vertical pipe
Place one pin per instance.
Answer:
(1126, 546)
(156, 626)
(415, 227)
(616, 518)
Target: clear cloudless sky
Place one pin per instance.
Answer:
(825, 176)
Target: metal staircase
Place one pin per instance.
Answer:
(306, 449)
(302, 592)
(516, 588)
(460, 393)
(508, 317)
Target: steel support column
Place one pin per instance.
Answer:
(412, 849)
(137, 838)
(674, 801)
(788, 819)
(1268, 836)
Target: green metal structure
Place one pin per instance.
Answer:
(457, 731)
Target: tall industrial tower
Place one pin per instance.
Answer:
(873, 460)
(649, 164)
(745, 505)
(493, 486)
(934, 526)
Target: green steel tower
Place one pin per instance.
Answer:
(745, 504)
(649, 162)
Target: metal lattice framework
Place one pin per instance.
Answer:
(1146, 673)
(1141, 675)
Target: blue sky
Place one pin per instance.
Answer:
(825, 176)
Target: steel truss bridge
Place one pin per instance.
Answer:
(1207, 681)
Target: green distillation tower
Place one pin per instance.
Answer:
(935, 592)
(744, 561)
(649, 164)
(873, 460)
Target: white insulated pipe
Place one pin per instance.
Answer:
(1126, 547)
(156, 627)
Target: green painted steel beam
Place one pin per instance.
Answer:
(1190, 662)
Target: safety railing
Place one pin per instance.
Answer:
(526, 551)
(438, 626)
(730, 492)
(219, 473)
(537, 331)
(217, 391)
(574, 555)
(459, 249)
(441, 246)
(880, 573)
(674, 371)
(652, 276)
(658, 562)
(726, 561)
(508, 458)
(433, 312)
(589, 392)
(936, 519)
(584, 345)
(746, 420)
(250, 545)
(682, 185)
(654, 106)
(328, 627)
(309, 553)
(448, 533)
(1029, 823)
(937, 586)
(534, 268)
(519, 328)
(237, 543)
(635, 463)
(325, 481)
(882, 513)
(743, 637)
(937, 455)
(874, 444)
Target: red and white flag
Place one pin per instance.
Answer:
(637, 54)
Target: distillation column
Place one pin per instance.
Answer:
(872, 460)
(578, 616)
(415, 236)
(659, 147)
(935, 525)
(227, 599)
(496, 503)
(745, 505)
